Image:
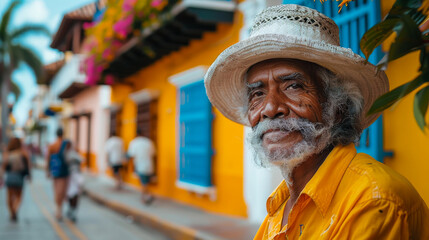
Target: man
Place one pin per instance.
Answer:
(142, 150)
(306, 99)
(57, 168)
(114, 148)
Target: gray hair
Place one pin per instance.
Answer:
(344, 104)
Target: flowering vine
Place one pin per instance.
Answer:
(121, 20)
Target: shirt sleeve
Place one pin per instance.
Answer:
(374, 219)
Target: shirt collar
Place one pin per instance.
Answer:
(322, 185)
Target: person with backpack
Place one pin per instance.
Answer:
(16, 163)
(58, 169)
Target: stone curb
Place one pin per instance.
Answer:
(172, 230)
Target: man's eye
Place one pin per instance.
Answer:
(294, 86)
(257, 93)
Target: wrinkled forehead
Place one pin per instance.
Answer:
(309, 68)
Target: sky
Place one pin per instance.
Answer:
(50, 14)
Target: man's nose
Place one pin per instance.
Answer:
(274, 107)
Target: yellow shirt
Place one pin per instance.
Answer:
(351, 196)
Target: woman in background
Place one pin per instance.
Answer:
(16, 163)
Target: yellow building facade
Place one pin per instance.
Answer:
(227, 137)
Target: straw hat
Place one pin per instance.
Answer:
(296, 32)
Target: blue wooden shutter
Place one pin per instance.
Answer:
(353, 21)
(195, 135)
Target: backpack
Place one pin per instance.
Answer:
(26, 171)
(58, 166)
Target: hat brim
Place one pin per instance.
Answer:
(225, 84)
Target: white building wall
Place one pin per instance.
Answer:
(102, 128)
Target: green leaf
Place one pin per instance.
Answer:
(6, 18)
(27, 56)
(389, 98)
(32, 29)
(425, 36)
(407, 39)
(421, 101)
(15, 90)
(376, 35)
(14, 56)
(424, 58)
(414, 13)
(415, 4)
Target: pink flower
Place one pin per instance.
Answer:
(88, 64)
(156, 3)
(117, 44)
(122, 27)
(130, 2)
(90, 80)
(93, 72)
(87, 25)
(106, 53)
(98, 70)
(109, 79)
(128, 5)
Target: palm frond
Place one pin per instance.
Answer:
(14, 56)
(32, 29)
(30, 58)
(6, 18)
(15, 90)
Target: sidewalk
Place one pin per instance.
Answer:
(176, 220)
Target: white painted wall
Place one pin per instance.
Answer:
(68, 74)
(103, 128)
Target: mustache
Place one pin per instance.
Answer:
(287, 125)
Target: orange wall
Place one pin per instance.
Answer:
(92, 166)
(401, 133)
(227, 136)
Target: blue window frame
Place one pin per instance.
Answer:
(195, 135)
(353, 21)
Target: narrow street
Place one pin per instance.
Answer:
(36, 218)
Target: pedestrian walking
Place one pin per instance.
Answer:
(114, 148)
(58, 169)
(16, 164)
(142, 150)
(73, 160)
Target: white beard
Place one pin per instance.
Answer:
(315, 138)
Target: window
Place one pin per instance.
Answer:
(353, 21)
(195, 135)
(115, 122)
(194, 132)
(147, 119)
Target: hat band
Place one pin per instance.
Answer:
(288, 27)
